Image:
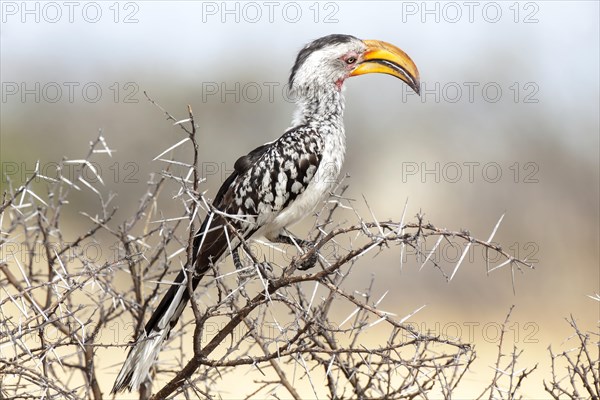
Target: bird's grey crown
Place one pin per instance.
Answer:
(315, 45)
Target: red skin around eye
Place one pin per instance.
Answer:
(349, 67)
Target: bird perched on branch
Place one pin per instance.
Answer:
(278, 183)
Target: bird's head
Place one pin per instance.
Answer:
(328, 61)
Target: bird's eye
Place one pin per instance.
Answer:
(350, 60)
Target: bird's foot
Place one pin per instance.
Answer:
(249, 271)
(306, 260)
(246, 273)
(307, 263)
(309, 258)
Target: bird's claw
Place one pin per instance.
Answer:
(307, 261)
(245, 274)
(265, 267)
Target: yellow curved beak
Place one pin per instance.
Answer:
(385, 58)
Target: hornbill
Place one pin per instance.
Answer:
(278, 183)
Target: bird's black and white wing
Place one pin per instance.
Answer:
(261, 189)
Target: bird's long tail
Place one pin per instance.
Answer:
(141, 357)
(209, 246)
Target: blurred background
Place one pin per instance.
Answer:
(507, 122)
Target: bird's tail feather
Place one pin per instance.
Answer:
(209, 245)
(142, 356)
